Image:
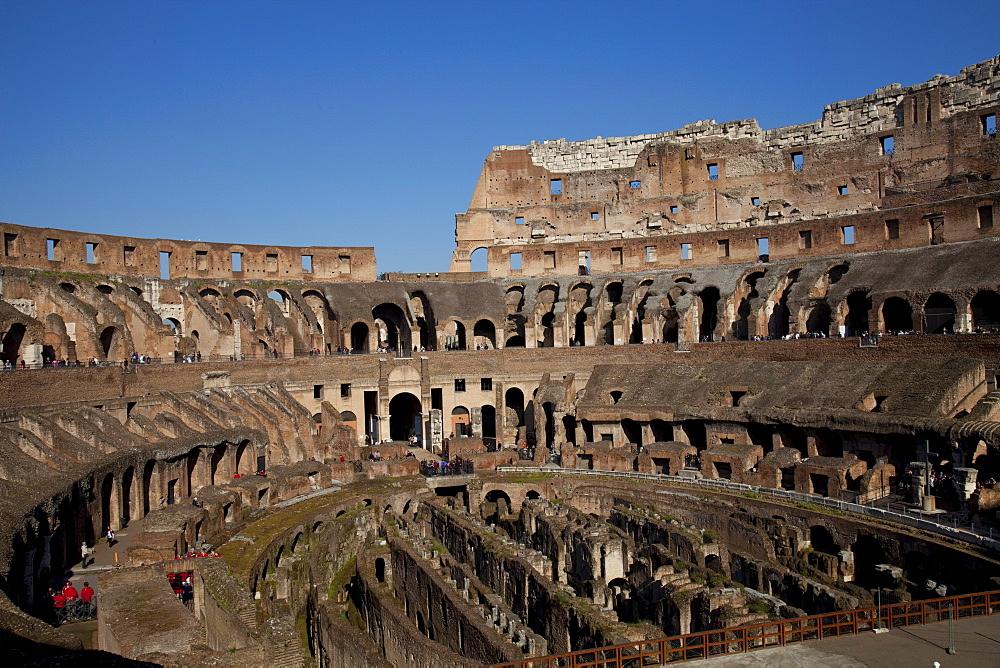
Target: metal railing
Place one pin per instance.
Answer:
(966, 534)
(712, 644)
(431, 468)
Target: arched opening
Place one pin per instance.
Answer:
(147, 482)
(128, 478)
(548, 336)
(461, 425)
(613, 293)
(218, 456)
(513, 400)
(622, 602)
(939, 314)
(580, 329)
(105, 289)
(632, 431)
(380, 569)
(397, 330)
(246, 298)
(107, 491)
(485, 333)
(548, 410)
(174, 324)
(569, 427)
(478, 260)
(532, 494)
(859, 303)
(662, 431)
(244, 459)
(110, 342)
(986, 311)
(897, 315)
(709, 313)
(819, 319)
(192, 466)
(404, 417)
(349, 419)
(359, 337)
(12, 342)
(822, 540)
(516, 341)
(496, 506)
(489, 418)
(454, 335)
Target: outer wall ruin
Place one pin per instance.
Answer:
(649, 333)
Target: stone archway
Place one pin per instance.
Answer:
(405, 417)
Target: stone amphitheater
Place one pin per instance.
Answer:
(710, 378)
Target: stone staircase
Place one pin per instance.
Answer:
(677, 581)
(987, 408)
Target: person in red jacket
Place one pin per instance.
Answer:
(58, 600)
(87, 593)
(69, 592)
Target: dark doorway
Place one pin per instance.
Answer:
(404, 416)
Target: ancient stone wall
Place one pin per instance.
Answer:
(708, 193)
(68, 252)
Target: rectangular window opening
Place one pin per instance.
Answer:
(9, 244)
(617, 257)
(650, 253)
(437, 398)
(128, 255)
(317, 391)
(847, 232)
(460, 385)
(713, 171)
(887, 144)
(271, 262)
(841, 190)
(989, 122)
(985, 216)
(892, 229)
(763, 250)
(307, 264)
(485, 384)
(635, 184)
(201, 260)
(237, 261)
(805, 239)
(674, 208)
(345, 390)
(165, 265)
(723, 247)
(50, 248)
(798, 161)
(91, 252)
(584, 263)
(548, 260)
(555, 186)
(685, 251)
(755, 201)
(519, 220)
(595, 215)
(515, 261)
(345, 264)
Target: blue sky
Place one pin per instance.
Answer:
(366, 124)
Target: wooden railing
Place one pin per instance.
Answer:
(711, 644)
